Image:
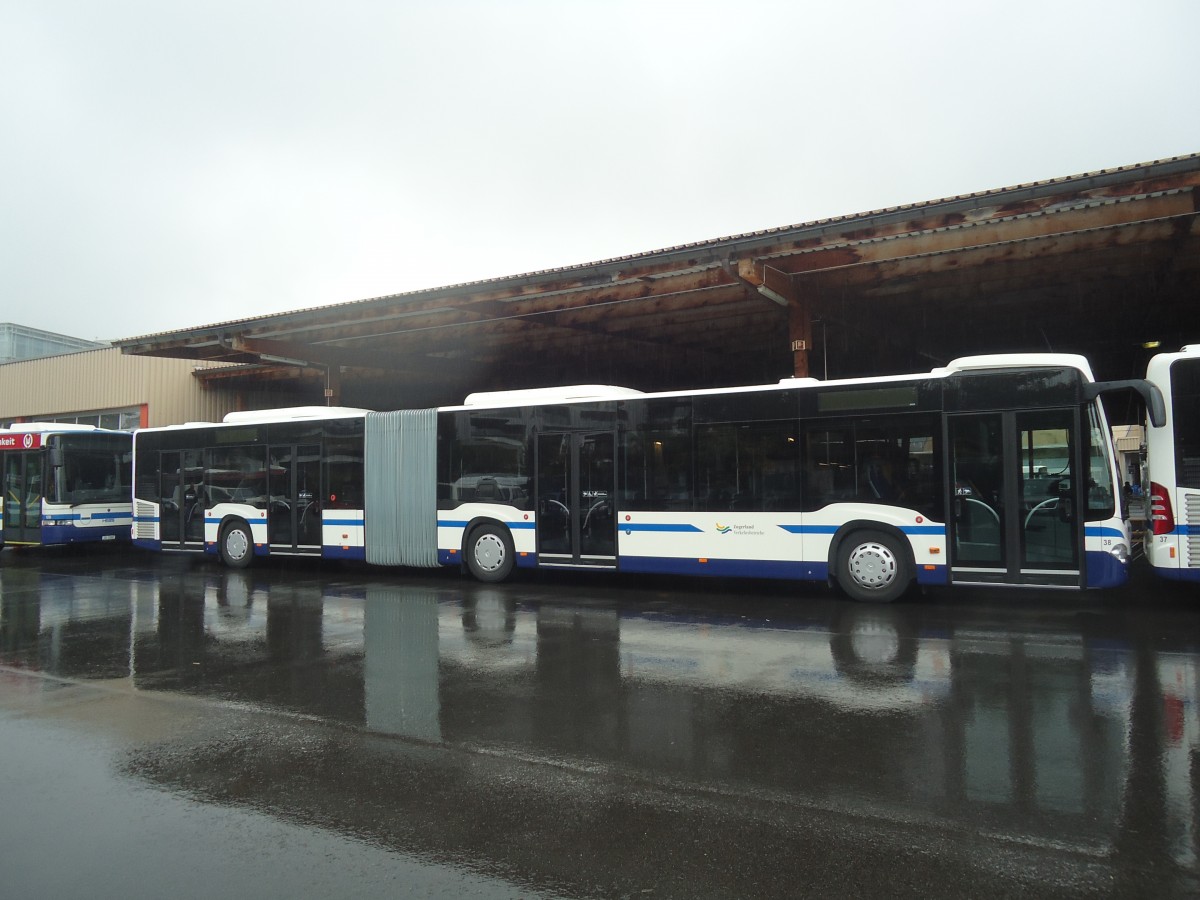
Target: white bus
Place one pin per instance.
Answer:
(1173, 466)
(65, 484)
(993, 470)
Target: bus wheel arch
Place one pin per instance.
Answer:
(488, 551)
(235, 542)
(872, 562)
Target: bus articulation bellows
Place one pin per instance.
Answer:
(65, 484)
(993, 470)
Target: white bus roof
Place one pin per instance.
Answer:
(293, 413)
(1017, 361)
(584, 392)
(573, 393)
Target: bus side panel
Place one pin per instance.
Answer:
(254, 517)
(63, 524)
(766, 545)
(1177, 555)
(926, 539)
(145, 530)
(343, 535)
(1103, 569)
(453, 523)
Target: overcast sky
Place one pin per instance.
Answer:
(167, 164)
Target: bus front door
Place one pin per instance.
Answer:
(182, 499)
(576, 517)
(22, 497)
(1016, 509)
(294, 515)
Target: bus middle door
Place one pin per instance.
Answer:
(294, 511)
(576, 516)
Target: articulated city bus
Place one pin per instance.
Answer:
(65, 484)
(1173, 465)
(993, 470)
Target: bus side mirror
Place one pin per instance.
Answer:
(55, 455)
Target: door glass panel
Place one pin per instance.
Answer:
(554, 480)
(20, 491)
(170, 498)
(294, 517)
(977, 474)
(279, 514)
(308, 495)
(33, 495)
(1049, 519)
(597, 530)
(195, 497)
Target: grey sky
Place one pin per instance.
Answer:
(168, 164)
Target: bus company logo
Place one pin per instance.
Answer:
(740, 530)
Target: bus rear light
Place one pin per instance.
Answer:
(1162, 517)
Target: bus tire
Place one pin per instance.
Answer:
(236, 544)
(873, 567)
(489, 553)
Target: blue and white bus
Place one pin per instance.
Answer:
(993, 470)
(1173, 467)
(65, 484)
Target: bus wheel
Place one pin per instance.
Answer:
(490, 553)
(872, 566)
(237, 545)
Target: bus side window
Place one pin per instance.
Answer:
(829, 475)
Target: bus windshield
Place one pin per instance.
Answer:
(93, 469)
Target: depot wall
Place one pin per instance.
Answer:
(165, 390)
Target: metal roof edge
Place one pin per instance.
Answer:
(740, 242)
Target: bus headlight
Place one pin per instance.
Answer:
(1121, 552)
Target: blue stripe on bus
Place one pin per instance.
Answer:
(213, 520)
(70, 534)
(630, 526)
(729, 568)
(327, 521)
(78, 517)
(1102, 531)
(331, 552)
(455, 523)
(754, 568)
(832, 529)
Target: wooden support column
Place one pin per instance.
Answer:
(800, 333)
(333, 385)
(778, 287)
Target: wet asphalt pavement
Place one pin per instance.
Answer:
(171, 728)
